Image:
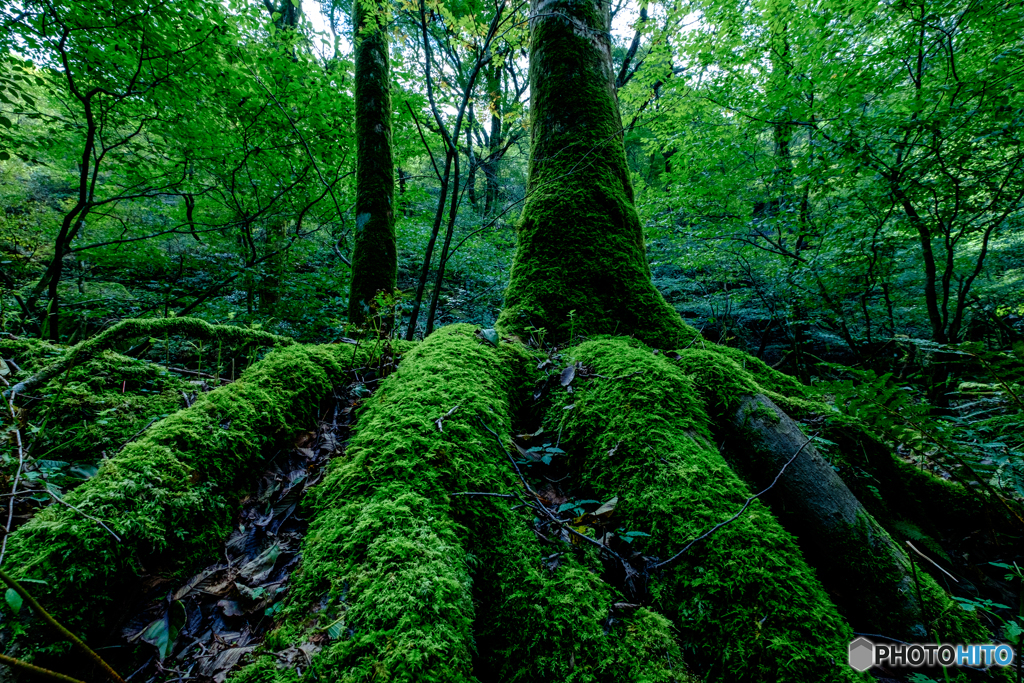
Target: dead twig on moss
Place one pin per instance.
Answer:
(746, 504)
(64, 502)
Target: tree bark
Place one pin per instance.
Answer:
(581, 249)
(858, 560)
(374, 255)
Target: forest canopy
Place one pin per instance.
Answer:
(560, 340)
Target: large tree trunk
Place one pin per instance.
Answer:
(374, 255)
(581, 264)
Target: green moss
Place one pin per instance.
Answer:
(541, 622)
(30, 354)
(746, 604)
(724, 375)
(416, 580)
(893, 489)
(581, 250)
(147, 328)
(96, 407)
(385, 557)
(172, 494)
(374, 256)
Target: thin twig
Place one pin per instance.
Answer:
(57, 626)
(17, 479)
(638, 372)
(543, 508)
(64, 502)
(479, 493)
(136, 434)
(932, 561)
(440, 421)
(746, 503)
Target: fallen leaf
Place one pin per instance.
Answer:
(221, 666)
(568, 375)
(607, 508)
(13, 599)
(259, 569)
(162, 632)
(198, 582)
(230, 608)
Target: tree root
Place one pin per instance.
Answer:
(744, 600)
(129, 329)
(170, 495)
(855, 556)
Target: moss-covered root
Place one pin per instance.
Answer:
(150, 327)
(897, 491)
(867, 573)
(171, 495)
(385, 570)
(747, 605)
(580, 265)
(547, 620)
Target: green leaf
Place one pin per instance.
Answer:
(162, 632)
(13, 599)
(336, 629)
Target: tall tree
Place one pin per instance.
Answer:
(374, 256)
(581, 263)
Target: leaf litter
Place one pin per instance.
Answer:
(202, 629)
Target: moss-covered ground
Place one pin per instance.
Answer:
(409, 574)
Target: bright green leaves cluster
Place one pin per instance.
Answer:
(842, 163)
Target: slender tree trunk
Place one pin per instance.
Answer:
(472, 161)
(490, 166)
(270, 287)
(374, 255)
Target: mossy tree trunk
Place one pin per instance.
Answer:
(581, 249)
(374, 255)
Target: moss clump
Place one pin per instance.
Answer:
(171, 495)
(581, 264)
(30, 354)
(385, 558)
(540, 621)
(147, 327)
(747, 605)
(94, 408)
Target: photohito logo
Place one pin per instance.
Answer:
(864, 654)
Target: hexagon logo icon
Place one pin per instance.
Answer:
(862, 654)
